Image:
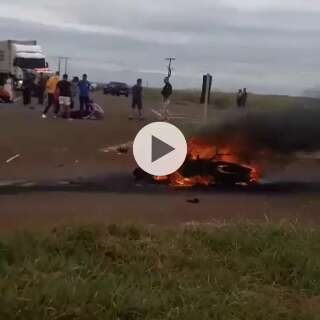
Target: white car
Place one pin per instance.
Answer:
(93, 86)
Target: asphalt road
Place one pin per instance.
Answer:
(63, 176)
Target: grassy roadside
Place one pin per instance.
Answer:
(224, 100)
(230, 272)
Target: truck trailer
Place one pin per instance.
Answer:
(18, 58)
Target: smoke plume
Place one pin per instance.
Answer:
(257, 135)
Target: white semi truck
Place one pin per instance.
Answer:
(18, 58)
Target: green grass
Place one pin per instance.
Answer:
(224, 100)
(231, 272)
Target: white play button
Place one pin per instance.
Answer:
(160, 149)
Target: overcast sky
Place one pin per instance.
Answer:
(265, 45)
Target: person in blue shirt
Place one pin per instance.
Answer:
(84, 94)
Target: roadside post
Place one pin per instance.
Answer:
(206, 95)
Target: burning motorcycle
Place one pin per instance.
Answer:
(206, 166)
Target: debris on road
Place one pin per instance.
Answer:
(10, 183)
(193, 201)
(120, 149)
(123, 150)
(13, 158)
(28, 185)
(64, 183)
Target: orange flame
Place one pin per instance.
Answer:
(199, 149)
(178, 180)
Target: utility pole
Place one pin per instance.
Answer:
(66, 62)
(59, 64)
(205, 96)
(206, 99)
(170, 66)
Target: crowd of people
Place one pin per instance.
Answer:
(68, 99)
(71, 99)
(65, 96)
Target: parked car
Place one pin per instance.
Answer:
(93, 86)
(117, 89)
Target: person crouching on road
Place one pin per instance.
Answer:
(51, 89)
(137, 97)
(64, 87)
(166, 94)
(84, 94)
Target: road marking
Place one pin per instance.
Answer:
(156, 113)
(13, 158)
(176, 117)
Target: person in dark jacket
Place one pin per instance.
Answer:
(75, 92)
(41, 88)
(166, 94)
(137, 98)
(239, 98)
(244, 98)
(64, 87)
(27, 89)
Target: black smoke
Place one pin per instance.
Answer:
(256, 135)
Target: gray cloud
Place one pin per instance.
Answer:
(263, 45)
